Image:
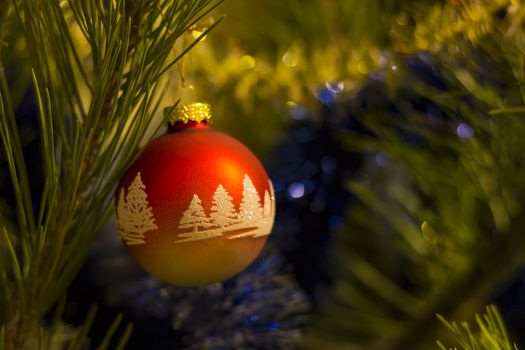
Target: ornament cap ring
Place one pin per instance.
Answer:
(195, 112)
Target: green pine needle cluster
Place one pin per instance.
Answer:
(57, 335)
(489, 335)
(440, 227)
(97, 69)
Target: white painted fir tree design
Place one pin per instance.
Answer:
(250, 211)
(134, 214)
(268, 214)
(222, 210)
(264, 224)
(252, 220)
(193, 218)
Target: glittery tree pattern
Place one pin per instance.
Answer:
(252, 220)
(135, 215)
(222, 210)
(250, 209)
(195, 217)
(251, 212)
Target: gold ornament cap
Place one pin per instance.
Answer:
(194, 112)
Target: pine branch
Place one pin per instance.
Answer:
(83, 103)
(492, 334)
(466, 292)
(464, 190)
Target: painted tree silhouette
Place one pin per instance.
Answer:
(250, 211)
(135, 215)
(222, 210)
(194, 217)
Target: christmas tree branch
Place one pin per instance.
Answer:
(465, 294)
(84, 102)
(450, 200)
(492, 334)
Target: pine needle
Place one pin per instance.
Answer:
(490, 335)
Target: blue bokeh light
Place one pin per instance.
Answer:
(296, 190)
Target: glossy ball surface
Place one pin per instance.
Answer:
(195, 208)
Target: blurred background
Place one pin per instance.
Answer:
(393, 133)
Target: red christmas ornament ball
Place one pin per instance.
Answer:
(197, 206)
